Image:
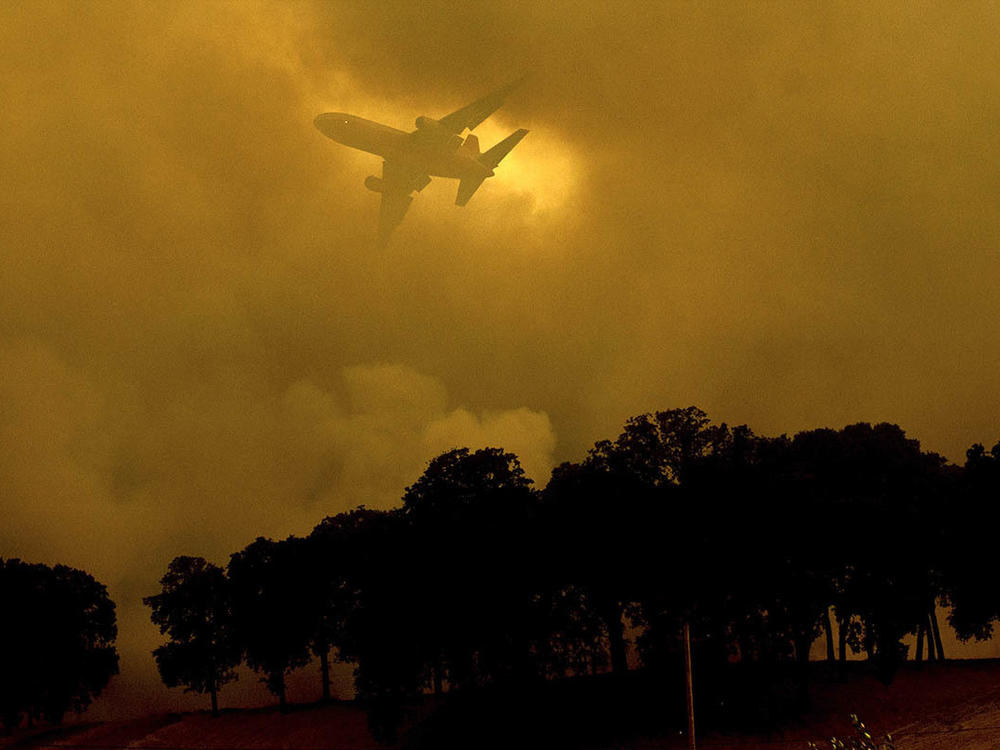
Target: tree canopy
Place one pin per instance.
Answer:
(759, 544)
(194, 609)
(57, 641)
(273, 607)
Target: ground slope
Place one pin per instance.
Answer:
(936, 707)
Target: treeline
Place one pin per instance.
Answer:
(57, 636)
(478, 579)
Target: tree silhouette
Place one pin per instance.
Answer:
(971, 570)
(335, 573)
(194, 609)
(595, 520)
(874, 490)
(56, 641)
(272, 608)
(471, 516)
(478, 581)
(385, 626)
(675, 475)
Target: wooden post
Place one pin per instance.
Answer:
(689, 678)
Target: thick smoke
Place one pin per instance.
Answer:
(784, 214)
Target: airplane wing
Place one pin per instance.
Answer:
(473, 114)
(398, 181)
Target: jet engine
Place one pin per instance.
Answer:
(373, 183)
(435, 132)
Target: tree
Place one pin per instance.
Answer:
(971, 570)
(875, 489)
(56, 641)
(594, 522)
(471, 516)
(194, 609)
(336, 572)
(756, 538)
(272, 609)
(386, 634)
(673, 475)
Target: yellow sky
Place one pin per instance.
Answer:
(783, 213)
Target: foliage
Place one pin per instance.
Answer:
(194, 609)
(334, 578)
(471, 516)
(272, 607)
(477, 580)
(57, 640)
(971, 571)
(862, 741)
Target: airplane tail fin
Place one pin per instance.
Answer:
(472, 145)
(466, 188)
(493, 157)
(489, 159)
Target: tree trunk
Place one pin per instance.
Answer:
(937, 633)
(611, 613)
(842, 626)
(438, 680)
(828, 626)
(802, 644)
(213, 684)
(929, 633)
(282, 702)
(918, 657)
(324, 672)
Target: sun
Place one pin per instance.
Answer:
(541, 165)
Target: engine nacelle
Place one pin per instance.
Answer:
(373, 183)
(423, 123)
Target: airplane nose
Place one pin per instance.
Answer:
(322, 122)
(330, 124)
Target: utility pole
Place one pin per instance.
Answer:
(689, 678)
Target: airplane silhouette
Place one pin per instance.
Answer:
(436, 148)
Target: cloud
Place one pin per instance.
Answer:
(784, 215)
(206, 474)
(524, 432)
(395, 420)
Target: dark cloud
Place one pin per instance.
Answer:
(784, 215)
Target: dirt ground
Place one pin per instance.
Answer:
(955, 705)
(334, 727)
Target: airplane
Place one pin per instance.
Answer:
(436, 148)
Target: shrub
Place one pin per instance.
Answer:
(862, 741)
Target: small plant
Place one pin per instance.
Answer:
(863, 740)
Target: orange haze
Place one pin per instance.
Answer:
(784, 213)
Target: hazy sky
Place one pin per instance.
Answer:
(784, 213)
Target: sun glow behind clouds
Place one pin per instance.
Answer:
(542, 166)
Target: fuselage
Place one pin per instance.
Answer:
(436, 153)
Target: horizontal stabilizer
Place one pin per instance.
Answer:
(493, 157)
(466, 188)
